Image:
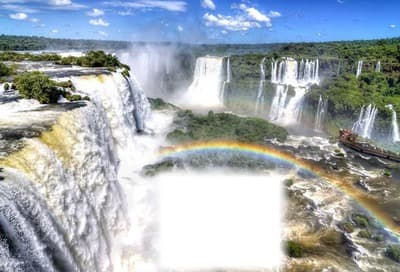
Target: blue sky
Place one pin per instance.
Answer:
(203, 21)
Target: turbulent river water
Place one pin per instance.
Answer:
(73, 197)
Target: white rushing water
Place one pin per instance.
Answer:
(63, 203)
(150, 64)
(359, 68)
(228, 75)
(289, 74)
(259, 107)
(395, 125)
(365, 123)
(206, 88)
(321, 113)
(378, 67)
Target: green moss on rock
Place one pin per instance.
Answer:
(293, 249)
(393, 252)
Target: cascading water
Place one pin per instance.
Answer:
(365, 123)
(321, 113)
(395, 125)
(227, 80)
(378, 67)
(278, 102)
(286, 74)
(359, 68)
(206, 88)
(61, 203)
(259, 107)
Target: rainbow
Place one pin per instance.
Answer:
(367, 202)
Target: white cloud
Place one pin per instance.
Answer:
(230, 23)
(55, 31)
(63, 5)
(180, 28)
(102, 33)
(208, 4)
(99, 22)
(18, 8)
(274, 14)
(95, 12)
(177, 5)
(392, 26)
(19, 16)
(246, 19)
(35, 20)
(255, 14)
(60, 2)
(340, 1)
(125, 13)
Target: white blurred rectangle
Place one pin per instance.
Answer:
(219, 221)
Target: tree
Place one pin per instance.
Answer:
(38, 86)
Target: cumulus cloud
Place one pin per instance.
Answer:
(64, 5)
(180, 28)
(392, 26)
(19, 16)
(55, 31)
(208, 4)
(99, 22)
(255, 14)
(34, 20)
(95, 12)
(176, 5)
(229, 23)
(246, 19)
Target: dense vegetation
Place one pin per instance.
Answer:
(94, 59)
(37, 85)
(224, 126)
(14, 56)
(347, 94)
(19, 43)
(393, 252)
(5, 70)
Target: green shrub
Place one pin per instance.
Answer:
(37, 85)
(5, 70)
(360, 220)
(288, 182)
(293, 249)
(348, 227)
(364, 234)
(393, 252)
(6, 87)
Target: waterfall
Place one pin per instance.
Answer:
(259, 107)
(321, 113)
(150, 62)
(378, 67)
(279, 102)
(206, 88)
(365, 122)
(359, 68)
(227, 80)
(61, 203)
(395, 125)
(288, 73)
